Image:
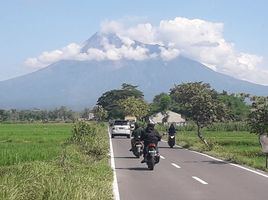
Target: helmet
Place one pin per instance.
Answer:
(151, 124)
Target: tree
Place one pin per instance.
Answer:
(100, 113)
(85, 113)
(134, 106)
(258, 117)
(200, 104)
(161, 103)
(165, 102)
(3, 115)
(110, 99)
(236, 107)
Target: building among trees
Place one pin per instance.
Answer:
(167, 117)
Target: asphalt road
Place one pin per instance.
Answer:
(184, 175)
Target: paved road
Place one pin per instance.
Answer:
(184, 175)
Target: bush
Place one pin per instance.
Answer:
(91, 138)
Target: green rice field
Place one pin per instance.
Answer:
(31, 142)
(46, 161)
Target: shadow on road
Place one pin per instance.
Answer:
(169, 147)
(126, 157)
(134, 168)
(120, 138)
(207, 161)
(215, 162)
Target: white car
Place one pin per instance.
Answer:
(121, 128)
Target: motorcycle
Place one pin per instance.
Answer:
(171, 140)
(152, 156)
(138, 148)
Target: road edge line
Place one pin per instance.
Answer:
(115, 183)
(232, 164)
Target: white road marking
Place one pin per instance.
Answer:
(235, 165)
(115, 184)
(250, 170)
(175, 165)
(162, 157)
(199, 180)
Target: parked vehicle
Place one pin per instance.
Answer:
(120, 128)
(171, 140)
(152, 156)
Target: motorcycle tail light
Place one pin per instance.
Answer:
(152, 145)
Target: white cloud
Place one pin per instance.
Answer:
(197, 39)
(169, 54)
(69, 52)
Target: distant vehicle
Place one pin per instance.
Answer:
(121, 128)
(171, 140)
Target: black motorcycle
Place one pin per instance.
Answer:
(152, 156)
(138, 148)
(171, 140)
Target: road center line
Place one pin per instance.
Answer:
(199, 180)
(162, 157)
(177, 166)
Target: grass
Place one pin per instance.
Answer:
(29, 142)
(71, 170)
(235, 146)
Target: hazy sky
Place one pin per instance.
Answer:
(28, 28)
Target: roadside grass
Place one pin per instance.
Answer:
(29, 142)
(80, 169)
(239, 147)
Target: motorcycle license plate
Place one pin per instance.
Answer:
(153, 153)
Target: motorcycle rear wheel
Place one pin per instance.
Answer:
(150, 164)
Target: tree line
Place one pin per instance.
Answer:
(196, 101)
(58, 114)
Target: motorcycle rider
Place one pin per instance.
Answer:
(172, 130)
(136, 134)
(150, 135)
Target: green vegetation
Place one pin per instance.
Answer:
(161, 103)
(100, 114)
(258, 118)
(134, 106)
(110, 99)
(30, 142)
(55, 163)
(237, 109)
(58, 114)
(199, 104)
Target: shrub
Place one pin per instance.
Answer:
(91, 139)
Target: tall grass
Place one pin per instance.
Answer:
(75, 173)
(221, 126)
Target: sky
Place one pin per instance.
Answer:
(227, 36)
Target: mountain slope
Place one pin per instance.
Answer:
(78, 84)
